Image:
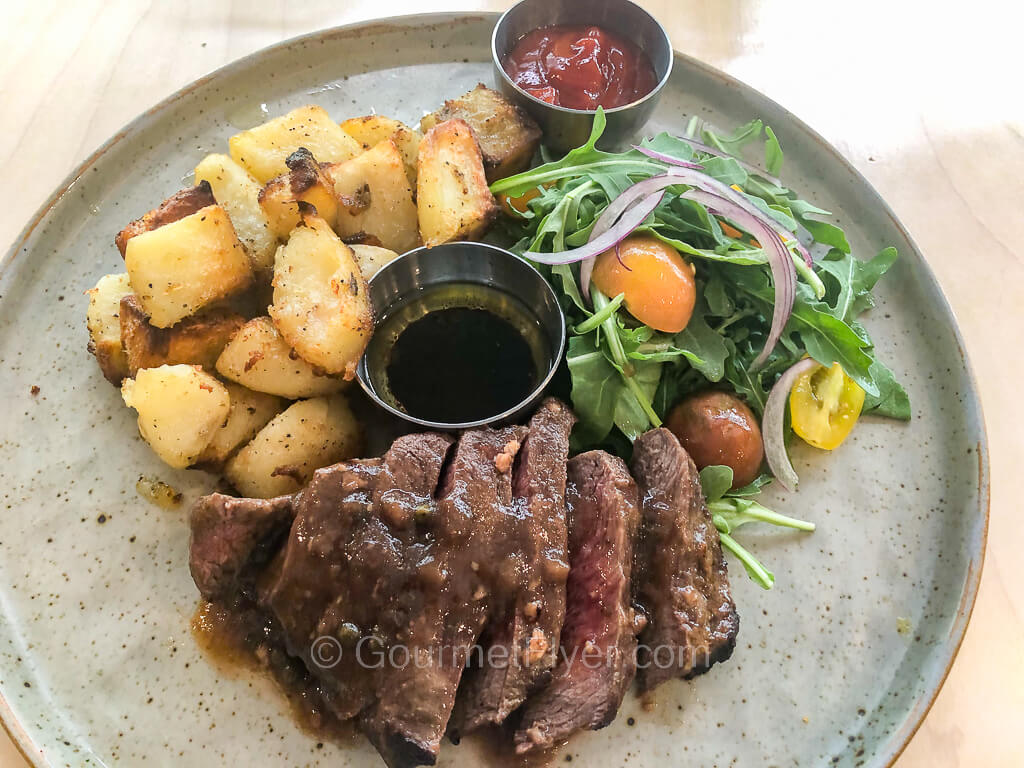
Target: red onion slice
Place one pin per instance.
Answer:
(618, 232)
(779, 259)
(701, 180)
(662, 157)
(773, 425)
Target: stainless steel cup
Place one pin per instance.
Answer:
(566, 128)
(403, 279)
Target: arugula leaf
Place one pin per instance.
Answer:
(596, 387)
(734, 143)
(853, 279)
(892, 399)
(725, 169)
(826, 233)
(715, 481)
(702, 345)
(717, 297)
(772, 153)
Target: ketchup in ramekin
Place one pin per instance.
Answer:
(580, 67)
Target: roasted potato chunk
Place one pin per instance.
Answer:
(305, 182)
(258, 358)
(371, 130)
(196, 340)
(371, 258)
(508, 137)
(282, 457)
(321, 301)
(263, 150)
(375, 198)
(238, 193)
(452, 196)
(250, 412)
(177, 206)
(179, 268)
(103, 320)
(180, 407)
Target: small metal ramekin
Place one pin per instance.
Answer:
(402, 279)
(566, 128)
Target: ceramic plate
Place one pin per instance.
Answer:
(837, 665)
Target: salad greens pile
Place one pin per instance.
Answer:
(625, 375)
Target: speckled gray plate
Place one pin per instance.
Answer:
(837, 665)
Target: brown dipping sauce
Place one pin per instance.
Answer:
(457, 353)
(580, 67)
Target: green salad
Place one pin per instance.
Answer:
(684, 267)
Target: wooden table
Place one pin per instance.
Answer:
(925, 101)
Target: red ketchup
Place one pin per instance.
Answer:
(580, 67)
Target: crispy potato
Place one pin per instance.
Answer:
(179, 268)
(373, 129)
(371, 258)
(103, 320)
(176, 207)
(375, 198)
(238, 193)
(180, 407)
(321, 301)
(250, 412)
(452, 196)
(508, 137)
(258, 358)
(305, 182)
(282, 457)
(262, 150)
(196, 340)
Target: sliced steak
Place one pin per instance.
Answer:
(681, 574)
(311, 596)
(346, 568)
(447, 606)
(598, 641)
(528, 625)
(232, 537)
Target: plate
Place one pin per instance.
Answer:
(837, 665)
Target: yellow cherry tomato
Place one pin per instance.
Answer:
(824, 404)
(657, 282)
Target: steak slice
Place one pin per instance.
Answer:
(231, 537)
(311, 596)
(345, 568)
(448, 604)
(529, 625)
(682, 579)
(598, 638)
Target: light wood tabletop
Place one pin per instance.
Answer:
(924, 99)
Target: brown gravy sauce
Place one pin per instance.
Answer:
(234, 640)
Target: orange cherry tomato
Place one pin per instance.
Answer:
(657, 283)
(516, 205)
